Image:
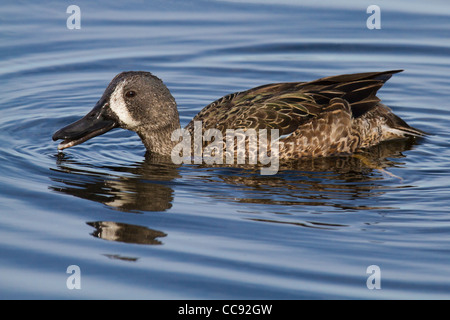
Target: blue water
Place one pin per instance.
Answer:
(140, 228)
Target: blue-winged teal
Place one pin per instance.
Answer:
(326, 117)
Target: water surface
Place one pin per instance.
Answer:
(141, 228)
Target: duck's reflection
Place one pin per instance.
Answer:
(123, 232)
(339, 182)
(342, 182)
(141, 187)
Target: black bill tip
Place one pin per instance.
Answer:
(95, 123)
(70, 139)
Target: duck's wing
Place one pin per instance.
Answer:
(286, 106)
(358, 89)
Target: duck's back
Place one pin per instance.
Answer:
(328, 116)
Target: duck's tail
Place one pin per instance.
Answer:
(397, 127)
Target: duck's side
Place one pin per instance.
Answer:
(326, 117)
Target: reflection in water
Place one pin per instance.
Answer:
(307, 224)
(347, 183)
(330, 182)
(142, 187)
(123, 232)
(119, 257)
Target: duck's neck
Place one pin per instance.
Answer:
(159, 140)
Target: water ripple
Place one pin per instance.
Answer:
(308, 232)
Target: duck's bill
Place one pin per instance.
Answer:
(91, 125)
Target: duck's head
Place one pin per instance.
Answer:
(134, 100)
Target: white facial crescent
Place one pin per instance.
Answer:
(120, 108)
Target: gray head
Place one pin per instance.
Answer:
(134, 100)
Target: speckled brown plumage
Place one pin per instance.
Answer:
(326, 117)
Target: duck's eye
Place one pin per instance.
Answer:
(130, 94)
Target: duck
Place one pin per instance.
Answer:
(330, 116)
